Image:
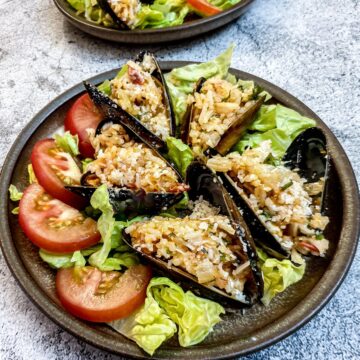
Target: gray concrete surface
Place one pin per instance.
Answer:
(310, 47)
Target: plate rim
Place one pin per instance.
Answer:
(303, 312)
(199, 26)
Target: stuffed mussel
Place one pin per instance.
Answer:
(139, 179)
(123, 13)
(211, 247)
(219, 113)
(281, 203)
(140, 90)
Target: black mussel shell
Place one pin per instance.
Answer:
(308, 155)
(205, 183)
(113, 112)
(131, 203)
(158, 75)
(260, 233)
(232, 135)
(104, 4)
(236, 130)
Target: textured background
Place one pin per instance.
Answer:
(310, 48)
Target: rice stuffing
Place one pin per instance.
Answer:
(123, 162)
(201, 245)
(142, 96)
(216, 108)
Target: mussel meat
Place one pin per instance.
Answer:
(282, 204)
(211, 248)
(219, 114)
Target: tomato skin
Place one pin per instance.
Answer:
(34, 223)
(78, 295)
(47, 178)
(204, 7)
(81, 116)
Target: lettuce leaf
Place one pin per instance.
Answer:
(194, 316)
(15, 194)
(58, 261)
(181, 81)
(278, 275)
(162, 13)
(277, 123)
(32, 177)
(78, 5)
(224, 4)
(105, 224)
(149, 327)
(167, 304)
(111, 236)
(105, 87)
(69, 143)
(179, 153)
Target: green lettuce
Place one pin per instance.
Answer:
(32, 177)
(78, 5)
(58, 261)
(224, 4)
(149, 327)
(162, 13)
(105, 87)
(278, 275)
(15, 194)
(277, 123)
(69, 143)
(194, 316)
(181, 81)
(91, 11)
(113, 253)
(179, 153)
(167, 304)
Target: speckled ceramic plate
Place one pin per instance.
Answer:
(153, 36)
(241, 332)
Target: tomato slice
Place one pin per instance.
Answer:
(55, 168)
(52, 225)
(100, 296)
(204, 7)
(83, 115)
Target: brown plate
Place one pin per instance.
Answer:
(239, 333)
(153, 36)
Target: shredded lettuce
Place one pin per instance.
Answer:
(15, 210)
(181, 81)
(32, 177)
(15, 194)
(167, 304)
(179, 153)
(69, 143)
(277, 123)
(278, 275)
